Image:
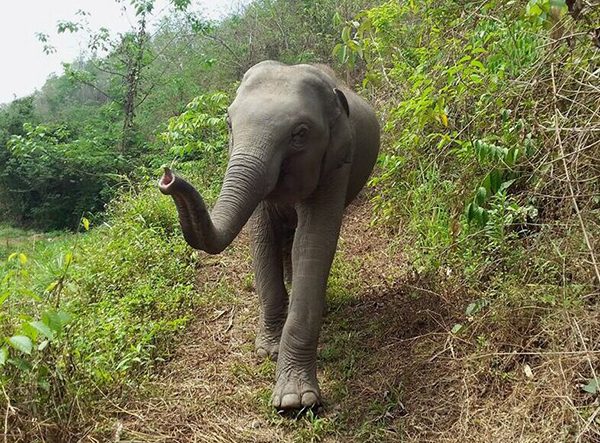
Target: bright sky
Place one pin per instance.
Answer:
(25, 67)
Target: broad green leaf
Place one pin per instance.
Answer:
(444, 119)
(346, 33)
(592, 387)
(456, 328)
(21, 343)
(471, 212)
(476, 306)
(55, 320)
(477, 64)
(86, 223)
(485, 217)
(43, 329)
(20, 364)
(68, 258)
(29, 331)
(481, 195)
(471, 309)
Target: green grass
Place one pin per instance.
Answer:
(128, 290)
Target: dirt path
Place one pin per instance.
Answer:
(378, 369)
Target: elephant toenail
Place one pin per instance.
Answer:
(290, 401)
(276, 401)
(262, 353)
(309, 399)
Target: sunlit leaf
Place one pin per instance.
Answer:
(43, 329)
(444, 119)
(3, 355)
(592, 387)
(456, 328)
(68, 258)
(56, 320)
(21, 343)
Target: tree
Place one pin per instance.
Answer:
(119, 76)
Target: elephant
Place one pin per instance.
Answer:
(302, 146)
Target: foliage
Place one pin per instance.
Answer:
(489, 172)
(34, 326)
(442, 128)
(200, 130)
(13, 116)
(126, 287)
(488, 175)
(50, 176)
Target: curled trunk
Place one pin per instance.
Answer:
(243, 188)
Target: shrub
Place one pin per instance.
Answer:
(51, 177)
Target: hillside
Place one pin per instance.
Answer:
(463, 301)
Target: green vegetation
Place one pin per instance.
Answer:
(463, 304)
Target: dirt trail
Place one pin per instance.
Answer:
(379, 373)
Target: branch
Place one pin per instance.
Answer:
(568, 177)
(107, 71)
(93, 86)
(227, 47)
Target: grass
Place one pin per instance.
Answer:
(437, 329)
(128, 292)
(389, 366)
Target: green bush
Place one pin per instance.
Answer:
(95, 311)
(50, 177)
(99, 309)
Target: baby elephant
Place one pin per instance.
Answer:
(302, 146)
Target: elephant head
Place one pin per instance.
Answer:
(288, 126)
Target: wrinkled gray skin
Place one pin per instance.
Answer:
(302, 147)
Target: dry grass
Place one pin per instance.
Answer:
(389, 368)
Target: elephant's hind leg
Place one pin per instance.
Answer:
(268, 271)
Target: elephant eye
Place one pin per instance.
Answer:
(299, 135)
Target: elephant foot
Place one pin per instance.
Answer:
(296, 390)
(267, 346)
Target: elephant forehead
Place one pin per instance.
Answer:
(285, 80)
(271, 105)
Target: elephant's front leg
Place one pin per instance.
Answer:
(268, 272)
(319, 221)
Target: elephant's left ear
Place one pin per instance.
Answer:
(343, 100)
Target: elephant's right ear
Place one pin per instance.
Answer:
(343, 100)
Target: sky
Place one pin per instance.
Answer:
(26, 66)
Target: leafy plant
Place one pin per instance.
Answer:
(51, 176)
(200, 130)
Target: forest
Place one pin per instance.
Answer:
(463, 304)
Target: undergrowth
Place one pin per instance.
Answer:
(489, 176)
(488, 179)
(87, 316)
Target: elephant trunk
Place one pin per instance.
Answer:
(243, 188)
